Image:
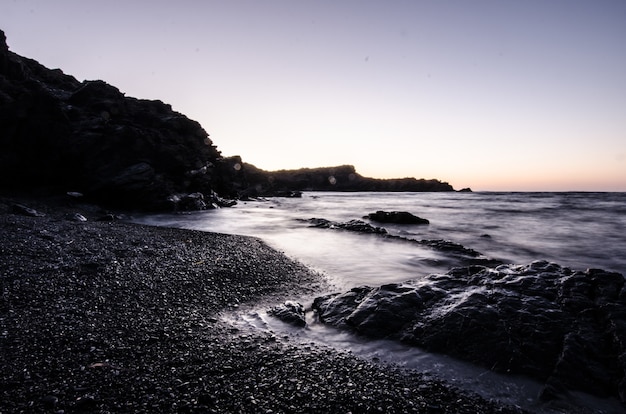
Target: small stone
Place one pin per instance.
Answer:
(49, 401)
(26, 211)
(75, 217)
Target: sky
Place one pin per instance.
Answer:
(495, 95)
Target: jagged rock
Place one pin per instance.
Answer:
(57, 133)
(450, 247)
(352, 225)
(562, 327)
(290, 312)
(396, 217)
(194, 201)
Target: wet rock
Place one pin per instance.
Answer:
(288, 194)
(463, 255)
(396, 217)
(193, 201)
(26, 211)
(290, 312)
(352, 225)
(449, 246)
(562, 327)
(75, 217)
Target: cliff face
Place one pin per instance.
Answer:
(64, 135)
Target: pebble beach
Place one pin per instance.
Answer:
(107, 316)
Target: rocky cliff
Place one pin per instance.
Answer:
(59, 134)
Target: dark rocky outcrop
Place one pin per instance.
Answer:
(462, 255)
(340, 178)
(352, 225)
(396, 217)
(59, 134)
(559, 326)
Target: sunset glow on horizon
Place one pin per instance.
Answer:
(491, 95)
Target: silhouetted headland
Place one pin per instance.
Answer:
(58, 134)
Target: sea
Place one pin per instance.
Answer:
(579, 230)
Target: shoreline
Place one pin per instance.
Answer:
(101, 316)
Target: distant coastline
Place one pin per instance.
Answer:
(339, 178)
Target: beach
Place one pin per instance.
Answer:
(110, 316)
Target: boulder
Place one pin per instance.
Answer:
(396, 217)
(290, 312)
(565, 328)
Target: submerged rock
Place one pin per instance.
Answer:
(352, 225)
(562, 327)
(396, 217)
(463, 255)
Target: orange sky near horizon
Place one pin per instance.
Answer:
(491, 95)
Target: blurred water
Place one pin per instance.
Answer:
(578, 230)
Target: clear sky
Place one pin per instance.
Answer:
(488, 94)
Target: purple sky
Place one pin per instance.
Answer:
(492, 95)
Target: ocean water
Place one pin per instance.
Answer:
(579, 230)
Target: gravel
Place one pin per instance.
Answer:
(114, 317)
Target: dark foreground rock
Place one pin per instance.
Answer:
(114, 317)
(290, 312)
(562, 327)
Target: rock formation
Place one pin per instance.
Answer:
(461, 254)
(396, 217)
(60, 134)
(559, 326)
(340, 178)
